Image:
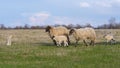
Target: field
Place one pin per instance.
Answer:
(34, 49)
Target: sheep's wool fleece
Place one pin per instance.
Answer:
(108, 37)
(56, 31)
(84, 33)
(60, 38)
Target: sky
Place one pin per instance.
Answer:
(50, 12)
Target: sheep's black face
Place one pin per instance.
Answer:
(48, 29)
(53, 37)
(71, 31)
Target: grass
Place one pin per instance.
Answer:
(35, 52)
(40, 56)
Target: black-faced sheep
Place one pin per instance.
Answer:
(61, 39)
(57, 31)
(84, 34)
(109, 38)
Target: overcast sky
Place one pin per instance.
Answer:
(49, 12)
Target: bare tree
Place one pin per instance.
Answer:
(2, 26)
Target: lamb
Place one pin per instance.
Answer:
(109, 38)
(57, 31)
(61, 39)
(84, 34)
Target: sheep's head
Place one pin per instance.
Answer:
(53, 37)
(48, 29)
(71, 31)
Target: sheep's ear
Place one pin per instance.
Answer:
(71, 31)
(48, 29)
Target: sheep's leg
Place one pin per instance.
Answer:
(107, 42)
(60, 44)
(76, 43)
(110, 42)
(57, 43)
(68, 40)
(66, 44)
(54, 42)
(113, 41)
(92, 43)
(85, 42)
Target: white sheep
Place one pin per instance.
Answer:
(84, 34)
(57, 31)
(9, 40)
(109, 38)
(61, 39)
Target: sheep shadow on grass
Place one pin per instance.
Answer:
(76, 45)
(43, 44)
(105, 43)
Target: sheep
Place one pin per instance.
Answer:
(61, 39)
(84, 34)
(9, 40)
(56, 31)
(109, 38)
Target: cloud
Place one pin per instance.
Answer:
(38, 18)
(116, 3)
(84, 4)
(99, 3)
(64, 20)
(103, 4)
(43, 18)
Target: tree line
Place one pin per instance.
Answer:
(26, 26)
(111, 25)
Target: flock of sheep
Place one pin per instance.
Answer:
(60, 35)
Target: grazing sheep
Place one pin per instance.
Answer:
(61, 39)
(57, 31)
(109, 38)
(9, 40)
(84, 34)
